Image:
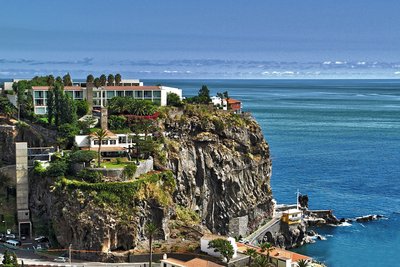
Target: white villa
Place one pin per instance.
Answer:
(98, 97)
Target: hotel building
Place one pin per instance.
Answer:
(98, 97)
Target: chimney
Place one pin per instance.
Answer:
(104, 118)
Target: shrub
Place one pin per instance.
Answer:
(174, 100)
(82, 107)
(90, 176)
(83, 156)
(129, 171)
(38, 168)
(57, 169)
(187, 216)
(116, 122)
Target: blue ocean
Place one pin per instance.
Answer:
(338, 141)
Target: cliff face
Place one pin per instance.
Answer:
(222, 167)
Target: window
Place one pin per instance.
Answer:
(39, 102)
(157, 94)
(129, 93)
(147, 94)
(122, 139)
(38, 94)
(104, 142)
(96, 142)
(110, 94)
(120, 93)
(78, 94)
(113, 142)
(138, 94)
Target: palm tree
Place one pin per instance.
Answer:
(90, 78)
(151, 230)
(100, 135)
(103, 80)
(110, 79)
(302, 263)
(118, 79)
(252, 253)
(97, 83)
(266, 247)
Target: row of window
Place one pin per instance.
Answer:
(105, 142)
(135, 94)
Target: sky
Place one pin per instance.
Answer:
(201, 39)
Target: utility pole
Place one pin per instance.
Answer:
(70, 254)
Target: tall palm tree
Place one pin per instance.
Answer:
(151, 231)
(90, 78)
(103, 80)
(110, 79)
(118, 79)
(100, 135)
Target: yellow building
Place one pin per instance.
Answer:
(292, 216)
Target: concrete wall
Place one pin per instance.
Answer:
(238, 226)
(21, 173)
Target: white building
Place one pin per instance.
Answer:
(99, 96)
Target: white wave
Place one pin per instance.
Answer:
(344, 224)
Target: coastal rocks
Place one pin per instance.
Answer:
(222, 167)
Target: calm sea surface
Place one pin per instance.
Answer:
(339, 142)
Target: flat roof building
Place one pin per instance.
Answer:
(101, 95)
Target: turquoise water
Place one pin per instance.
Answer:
(339, 142)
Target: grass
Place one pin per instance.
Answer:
(113, 165)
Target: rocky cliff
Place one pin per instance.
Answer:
(220, 166)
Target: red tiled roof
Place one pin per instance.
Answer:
(232, 101)
(196, 262)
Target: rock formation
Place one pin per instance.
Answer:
(221, 167)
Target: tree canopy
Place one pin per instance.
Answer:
(127, 105)
(223, 246)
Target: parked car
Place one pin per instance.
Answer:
(61, 259)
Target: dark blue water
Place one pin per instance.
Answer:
(339, 142)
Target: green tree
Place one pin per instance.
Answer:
(151, 231)
(100, 135)
(266, 247)
(6, 107)
(110, 79)
(90, 78)
(58, 95)
(67, 81)
(118, 79)
(14, 260)
(87, 123)
(50, 80)
(82, 107)
(66, 134)
(85, 156)
(223, 246)
(204, 95)
(97, 83)
(103, 80)
(57, 168)
(50, 105)
(174, 100)
(261, 261)
(67, 110)
(116, 122)
(252, 253)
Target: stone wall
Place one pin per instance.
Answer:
(238, 226)
(144, 167)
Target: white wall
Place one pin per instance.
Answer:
(165, 90)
